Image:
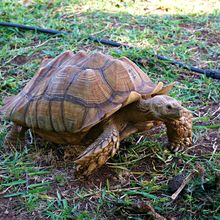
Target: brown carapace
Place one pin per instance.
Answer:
(96, 101)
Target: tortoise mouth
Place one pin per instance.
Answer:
(178, 113)
(172, 115)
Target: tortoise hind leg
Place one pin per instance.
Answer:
(104, 147)
(15, 137)
(179, 132)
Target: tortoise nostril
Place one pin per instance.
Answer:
(169, 106)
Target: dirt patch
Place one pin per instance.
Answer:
(51, 156)
(20, 60)
(9, 210)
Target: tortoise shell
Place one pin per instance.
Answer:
(74, 92)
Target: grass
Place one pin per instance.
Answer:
(36, 182)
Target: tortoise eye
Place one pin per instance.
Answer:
(169, 106)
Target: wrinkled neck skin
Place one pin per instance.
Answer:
(139, 111)
(134, 115)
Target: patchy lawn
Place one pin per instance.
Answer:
(37, 183)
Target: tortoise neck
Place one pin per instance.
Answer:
(135, 112)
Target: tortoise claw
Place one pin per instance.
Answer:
(97, 154)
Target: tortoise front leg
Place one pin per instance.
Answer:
(104, 147)
(179, 132)
(15, 137)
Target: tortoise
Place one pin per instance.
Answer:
(96, 101)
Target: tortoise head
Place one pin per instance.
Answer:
(162, 107)
(165, 107)
(177, 119)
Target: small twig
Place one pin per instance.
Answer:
(215, 147)
(151, 210)
(31, 136)
(139, 140)
(199, 171)
(26, 172)
(4, 191)
(144, 208)
(27, 180)
(184, 183)
(215, 111)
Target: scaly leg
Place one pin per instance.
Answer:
(179, 132)
(15, 137)
(104, 147)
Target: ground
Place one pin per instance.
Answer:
(37, 183)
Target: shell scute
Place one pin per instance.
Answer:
(62, 80)
(73, 115)
(89, 88)
(96, 61)
(17, 109)
(30, 116)
(116, 75)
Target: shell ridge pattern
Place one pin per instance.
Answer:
(50, 116)
(13, 108)
(85, 102)
(26, 110)
(102, 73)
(53, 78)
(117, 76)
(77, 100)
(84, 117)
(73, 99)
(39, 78)
(41, 75)
(145, 80)
(44, 75)
(49, 101)
(51, 67)
(95, 86)
(65, 97)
